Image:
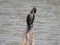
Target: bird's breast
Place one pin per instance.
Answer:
(31, 16)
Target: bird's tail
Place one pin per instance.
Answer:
(29, 28)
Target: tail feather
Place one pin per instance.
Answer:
(29, 28)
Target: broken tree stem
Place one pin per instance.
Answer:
(28, 38)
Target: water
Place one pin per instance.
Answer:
(13, 21)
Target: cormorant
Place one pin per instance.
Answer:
(30, 19)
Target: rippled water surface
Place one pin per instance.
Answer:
(13, 21)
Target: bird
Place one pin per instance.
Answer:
(30, 19)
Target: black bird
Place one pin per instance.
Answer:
(30, 19)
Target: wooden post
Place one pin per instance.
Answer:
(28, 38)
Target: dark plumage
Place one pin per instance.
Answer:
(30, 19)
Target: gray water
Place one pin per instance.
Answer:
(13, 21)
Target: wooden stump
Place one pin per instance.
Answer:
(28, 38)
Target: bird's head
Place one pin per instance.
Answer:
(33, 11)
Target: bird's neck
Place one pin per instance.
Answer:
(31, 14)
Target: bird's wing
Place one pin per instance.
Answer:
(28, 19)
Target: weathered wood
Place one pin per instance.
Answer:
(28, 38)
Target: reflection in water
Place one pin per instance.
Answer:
(13, 21)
